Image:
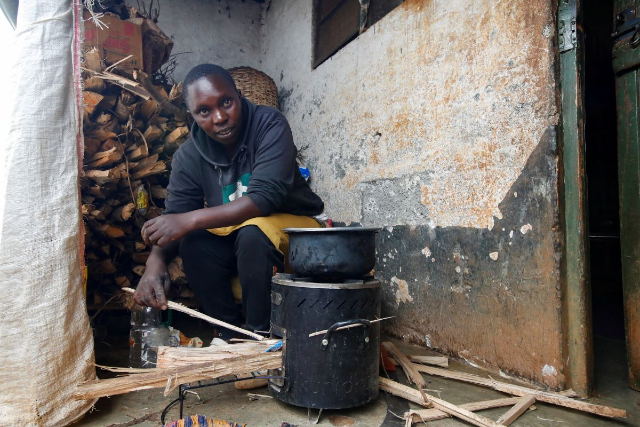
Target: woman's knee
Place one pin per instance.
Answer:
(194, 243)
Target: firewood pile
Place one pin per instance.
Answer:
(131, 128)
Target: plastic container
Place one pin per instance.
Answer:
(147, 334)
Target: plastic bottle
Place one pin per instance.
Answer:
(142, 200)
(147, 334)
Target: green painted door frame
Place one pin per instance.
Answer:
(576, 295)
(626, 65)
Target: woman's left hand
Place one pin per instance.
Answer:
(166, 228)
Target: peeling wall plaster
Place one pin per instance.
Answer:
(441, 101)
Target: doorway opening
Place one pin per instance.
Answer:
(602, 177)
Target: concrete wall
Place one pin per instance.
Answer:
(438, 124)
(226, 32)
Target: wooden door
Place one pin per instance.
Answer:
(626, 64)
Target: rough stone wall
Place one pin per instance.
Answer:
(438, 124)
(226, 33)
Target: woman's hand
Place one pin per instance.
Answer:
(166, 228)
(153, 286)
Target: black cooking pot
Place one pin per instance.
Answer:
(337, 253)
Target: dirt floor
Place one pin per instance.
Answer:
(224, 402)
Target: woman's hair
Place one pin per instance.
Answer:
(205, 70)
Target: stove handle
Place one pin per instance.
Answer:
(344, 325)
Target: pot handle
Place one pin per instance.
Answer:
(363, 322)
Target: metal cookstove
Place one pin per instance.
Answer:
(338, 368)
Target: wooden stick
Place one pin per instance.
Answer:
(463, 414)
(436, 414)
(403, 391)
(441, 361)
(409, 368)
(559, 399)
(179, 307)
(315, 334)
(518, 409)
(413, 395)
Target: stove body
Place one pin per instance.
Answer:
(334, 370)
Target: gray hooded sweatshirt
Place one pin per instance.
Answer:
(263, 168)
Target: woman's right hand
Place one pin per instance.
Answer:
(154, 285)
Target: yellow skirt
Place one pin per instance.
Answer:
(272, 227)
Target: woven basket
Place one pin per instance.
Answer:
(256, 86)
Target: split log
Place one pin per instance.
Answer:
(170, 378)
(176, 272)
(518, 409)
(152, 133)
(140, 257)
(176, 135)
(559, 399)
(91, 147)
(424, 415)
(138, 152)
(173, 357)
(94, 84)
(90, 101)
(194, 313)
(162, 98)
(139, 246)
(100, 134)
(105, 176)
(111, 230)
(153, 169)
(123, 213)
(148, 109)
(102, 212)
(105, 158)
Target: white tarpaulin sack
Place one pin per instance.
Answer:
(46, 345)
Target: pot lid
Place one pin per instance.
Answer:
(333, 230)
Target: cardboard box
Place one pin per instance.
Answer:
(118, 41)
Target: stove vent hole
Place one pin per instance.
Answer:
(328, 304)
(373, 301)
(302, 302)
(317, 301)
(364, 303)
(341, 304)
(353, 305)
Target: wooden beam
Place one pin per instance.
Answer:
(441, 361)
(423, 415)
(558, 399)
(518, 409)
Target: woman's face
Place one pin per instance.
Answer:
(216, 107)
